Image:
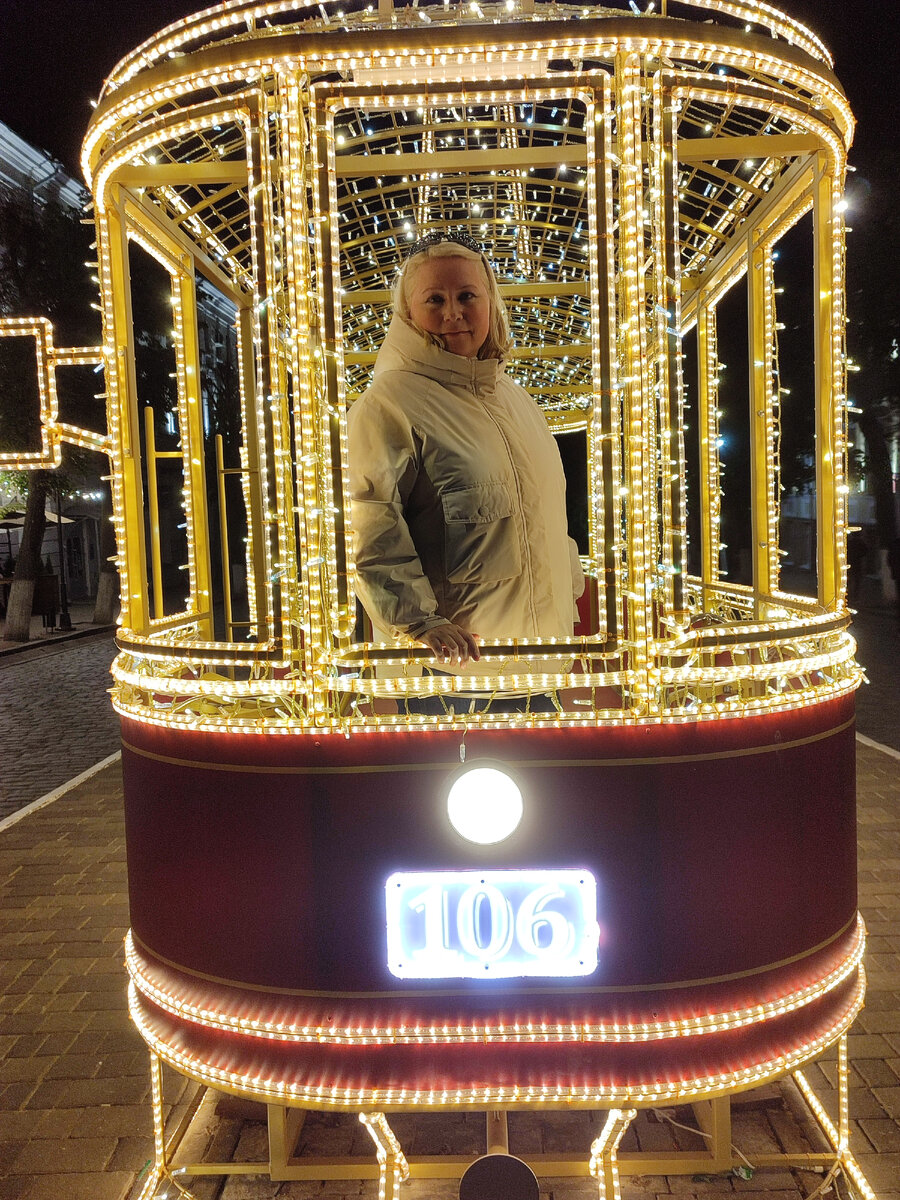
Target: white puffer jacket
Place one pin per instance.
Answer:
(458, 499)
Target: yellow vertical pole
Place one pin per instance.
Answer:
(284, 1125)
(707, 419)
(830, 499)
(843, 1093)
(603, 430)
(151, 459)
(639, 416)
(223, 538)
(761, 481)
(667, 270)
(305, 349)
(497, 1139)
(323, 588)
(392, 1164)
(714, 1119)
(328, 589)
(604, 1164)
(270, 280)
(160, 1168)
(124, 418)
(191, 418)
(252, 481)
(272, 570)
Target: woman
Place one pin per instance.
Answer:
(457, 488)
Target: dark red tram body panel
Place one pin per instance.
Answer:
(724, 854)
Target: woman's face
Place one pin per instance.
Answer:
(449, 296)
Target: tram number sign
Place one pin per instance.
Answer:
(491, 924)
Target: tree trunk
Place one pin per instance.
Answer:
(878, 469)
(28, 562)
(881, 483)
(108, 582)
(18, 611)
(107, 595)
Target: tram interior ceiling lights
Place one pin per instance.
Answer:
(458, 67)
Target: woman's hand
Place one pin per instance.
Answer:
(450, 643)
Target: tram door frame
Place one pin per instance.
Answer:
(593, 156)
(128, 218)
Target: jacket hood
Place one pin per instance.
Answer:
(404, 349)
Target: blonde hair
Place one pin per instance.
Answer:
(498, 340)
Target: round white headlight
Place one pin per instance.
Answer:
(484, 805)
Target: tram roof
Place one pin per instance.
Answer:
(409, 130)
(253, 18)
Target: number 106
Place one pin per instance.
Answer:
(492, 924)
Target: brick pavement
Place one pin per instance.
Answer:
(877, 631)
(55, 716)
(74, 1092)
(81, 619)
(74, 1095)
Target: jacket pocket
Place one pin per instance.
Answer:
(481, 540)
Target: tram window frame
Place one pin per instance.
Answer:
(377, 300)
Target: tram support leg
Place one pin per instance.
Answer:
(714, 1119)
(392, 1164)
(604, 1165)
(284, 1129)
(838, 1135)
(497, 1132)
(163, 1153)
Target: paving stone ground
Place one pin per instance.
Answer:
(74, 1089)
(55, 716)
(877, 631)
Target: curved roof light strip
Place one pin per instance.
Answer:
(239, 16)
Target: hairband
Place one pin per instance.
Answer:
(435, 239)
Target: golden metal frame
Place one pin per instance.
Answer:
(602, 1161)
(149, 104)
(303, 602)
(48, 360)
(609, 508)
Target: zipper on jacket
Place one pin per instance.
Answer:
(525, 539)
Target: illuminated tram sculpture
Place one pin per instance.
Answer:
(308, 928)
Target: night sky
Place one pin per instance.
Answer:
(54, 55)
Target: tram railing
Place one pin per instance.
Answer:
(735, 652)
